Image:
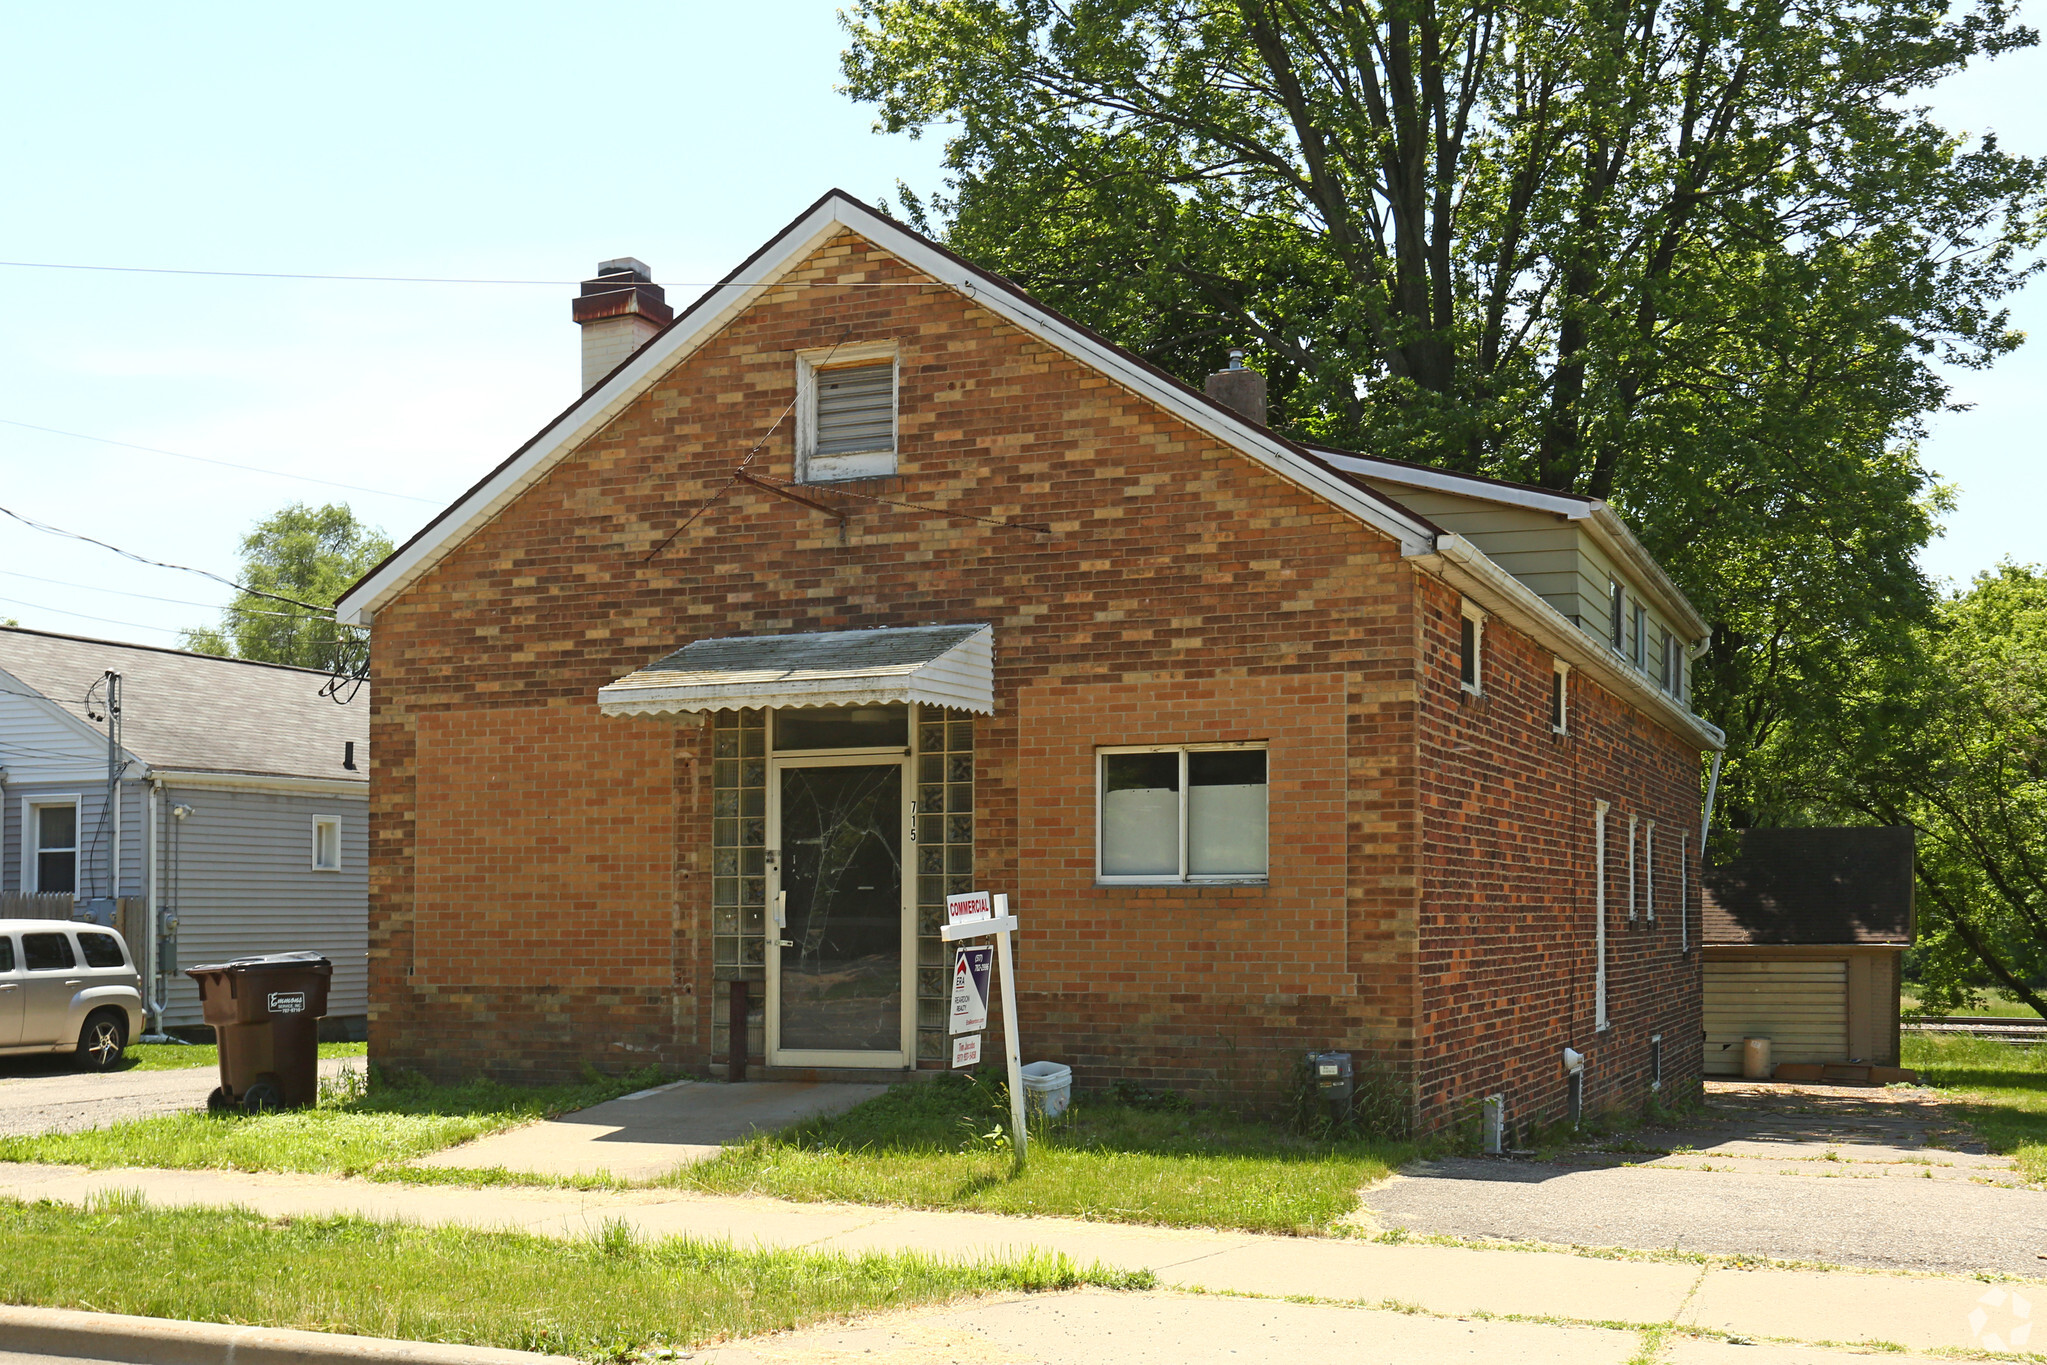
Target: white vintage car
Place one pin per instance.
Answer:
(67, 988)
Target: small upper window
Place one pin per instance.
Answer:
(1148, 833)
(1559, 696)
(101, 950)
(326, 845)
(56, 841)
(847, 426)
(1613, 611)
(1641, 637)
(1470, 640)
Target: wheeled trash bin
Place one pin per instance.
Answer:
(265, 1013)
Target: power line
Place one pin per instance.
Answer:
(103, 620)
(442, 279)
(224, 464)
(48, 529)
(146, 597)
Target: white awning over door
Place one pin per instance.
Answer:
(937, 665)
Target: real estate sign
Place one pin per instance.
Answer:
(971, 966)
(969, 906)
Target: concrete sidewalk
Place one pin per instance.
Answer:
(651, 1132)
(1918, 1312)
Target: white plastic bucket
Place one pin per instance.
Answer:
(1048, 1087)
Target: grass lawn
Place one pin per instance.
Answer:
(2000, 1088)
(922, 1145)
(356, 1129)
(178, 1056)
(604, 1298)
(1993, 1007)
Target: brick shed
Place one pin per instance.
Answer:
(866, 579)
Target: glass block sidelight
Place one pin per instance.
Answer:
(944, 763)
(739, 825)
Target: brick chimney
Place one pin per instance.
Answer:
(618, 311)
(1239, 388)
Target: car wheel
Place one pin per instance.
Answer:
(262, 1097)
(101, 1041)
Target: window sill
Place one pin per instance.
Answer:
(1182, 883)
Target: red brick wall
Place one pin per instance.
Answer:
(1177, 576)
(1507, 921)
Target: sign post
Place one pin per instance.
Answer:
(976, 914)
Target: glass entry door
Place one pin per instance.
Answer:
(837, 946)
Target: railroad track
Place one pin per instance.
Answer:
(2002, 1030)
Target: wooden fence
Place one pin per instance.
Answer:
(37, 905)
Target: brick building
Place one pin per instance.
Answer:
(866, 579)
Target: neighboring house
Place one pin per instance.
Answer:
(242, 821)
(1804, 932)
(867, 579)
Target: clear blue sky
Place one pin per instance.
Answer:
(496, 141)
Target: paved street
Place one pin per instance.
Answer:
(47, 1095)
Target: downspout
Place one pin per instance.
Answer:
(1712, 789)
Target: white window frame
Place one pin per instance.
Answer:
(1599, 809)
(326, 822)
(1617, 616)
(852, 464)
(31, 862)
(1634, 826)
(1475, 685)
(1560, 680)
(1640, 657)
(1649, 871)
(1185, 878)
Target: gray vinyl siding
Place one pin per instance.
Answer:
(244, 883)
(95, 835)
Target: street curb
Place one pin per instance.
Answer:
(168, 1341)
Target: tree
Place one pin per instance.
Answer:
(1700, 259)
(1949, 736)
(308, 555)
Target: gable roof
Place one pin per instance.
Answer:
(1788, 887)
(197, 713)
(838, 211)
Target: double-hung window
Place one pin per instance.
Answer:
(846, 413)
(54, 832)
(1182, 813)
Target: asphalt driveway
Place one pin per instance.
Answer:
(47, 1095)
(1840, 1174)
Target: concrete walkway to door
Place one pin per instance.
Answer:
(644, 1135)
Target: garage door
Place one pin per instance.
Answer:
(1801, 1006)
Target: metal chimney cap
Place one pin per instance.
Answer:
(1236, 357)
(626, 265)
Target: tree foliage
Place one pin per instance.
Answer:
(1699, 258)
(1949, 735)
(308, 554)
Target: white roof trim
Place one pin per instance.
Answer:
(708, 315)
(948, 670)
(1612, 534)
(357, 788)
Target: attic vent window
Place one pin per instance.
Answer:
(848, 417)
